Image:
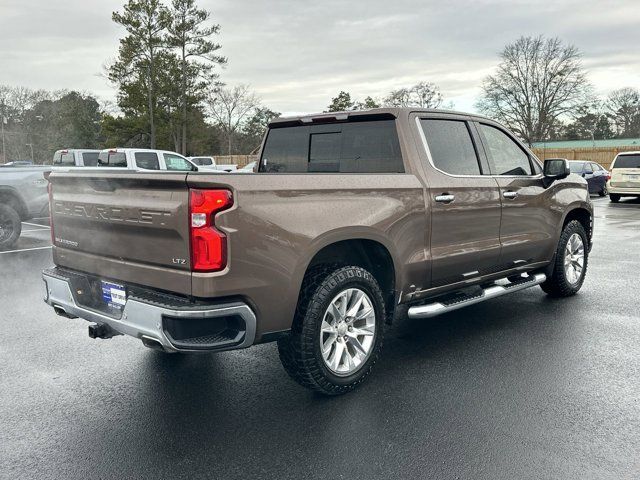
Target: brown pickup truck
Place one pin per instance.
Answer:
(351, 220)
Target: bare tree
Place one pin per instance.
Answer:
(623, 108)
(538, 81)
(421, 95)
(230, 107)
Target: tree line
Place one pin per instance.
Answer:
(170, 95)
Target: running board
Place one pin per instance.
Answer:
(436, 308)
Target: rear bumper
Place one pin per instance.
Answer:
(156, 320)
(631, 191)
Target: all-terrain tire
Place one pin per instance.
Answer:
(10, 227)
(557, 284)
(300, 351)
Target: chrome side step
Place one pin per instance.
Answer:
(436, 308)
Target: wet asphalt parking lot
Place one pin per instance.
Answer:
(518, 387)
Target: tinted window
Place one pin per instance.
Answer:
(112, 159)
(576, 167)
(353, 147)
(627, 161)
(176, 162)
(147, 160)
(324, 152)
(451, 147)
(202, 161)
(90, 159)
(505, 155)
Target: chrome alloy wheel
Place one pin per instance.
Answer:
(574, 259)
(348, 332)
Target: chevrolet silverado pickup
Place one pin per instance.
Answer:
(351, 220)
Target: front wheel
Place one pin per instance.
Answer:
(570, 264)
(10, 227)
(337, 332)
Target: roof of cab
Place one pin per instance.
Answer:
(382, 112)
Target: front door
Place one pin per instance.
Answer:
(465, 203)
(526, 234)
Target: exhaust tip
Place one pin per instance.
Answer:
(153, 343)
(61, 311)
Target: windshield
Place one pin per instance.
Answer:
(576, 167)
(627, 161)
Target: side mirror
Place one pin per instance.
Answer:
(556, 169)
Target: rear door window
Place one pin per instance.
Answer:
(450, 145)
(627, 161)
(588, 168)
(112, 159)
(576, 167)
(351, 147)
(504, 154)
(90, 159)
(147, 160)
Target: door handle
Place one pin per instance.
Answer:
(510, 194)
(445, 198)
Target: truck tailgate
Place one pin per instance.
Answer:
(127, 226)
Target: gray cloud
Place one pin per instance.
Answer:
(299, 54)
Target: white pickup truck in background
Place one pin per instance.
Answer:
(209, 163)
(145, 159)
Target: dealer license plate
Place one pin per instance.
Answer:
(114, 294)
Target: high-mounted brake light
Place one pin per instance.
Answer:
(208, 244)
(50, 192)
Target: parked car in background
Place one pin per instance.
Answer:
(144, 159)
(75, 157)
(595, 175)
(248, 168)
(23, 195)
(17, 163)
(209, 163)
(624, 180)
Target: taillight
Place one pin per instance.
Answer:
(208, 244)
(50, 191)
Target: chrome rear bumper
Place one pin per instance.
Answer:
(147, 320)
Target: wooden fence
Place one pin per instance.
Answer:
(602, 155)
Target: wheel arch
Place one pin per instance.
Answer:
(365, 249)
(10, 196)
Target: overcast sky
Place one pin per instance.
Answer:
(298, 54)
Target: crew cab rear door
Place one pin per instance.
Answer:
(526, 234)
(465, 204)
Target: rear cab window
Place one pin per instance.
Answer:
(357, 146)
(204, 161)
(90, 159)
(626, 161)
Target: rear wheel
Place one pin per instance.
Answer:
(604, 191)
(337, 332)
(571, 261)
(10, 227)
(614, 198)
